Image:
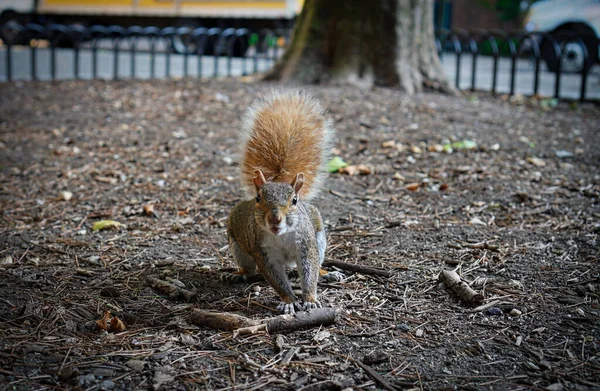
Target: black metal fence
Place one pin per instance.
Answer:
(580, 52)
(496, 61)
(216, 47)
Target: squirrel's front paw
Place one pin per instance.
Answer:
(288, 308)
(309, 305)
(334, 276)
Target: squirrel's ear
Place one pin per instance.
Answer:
(298, 182)
(259, 180)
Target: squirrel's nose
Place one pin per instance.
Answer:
(275, 218)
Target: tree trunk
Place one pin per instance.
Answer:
(365, 42)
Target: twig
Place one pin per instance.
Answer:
(376, 376)
(353, 267)
(481, 245)
(453, 282)
(282, 323)
(170, 289)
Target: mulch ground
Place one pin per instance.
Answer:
(505, 191)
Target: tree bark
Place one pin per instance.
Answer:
(364, 42)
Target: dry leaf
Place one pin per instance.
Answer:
(436, 148)
(7, 260)
(398, 177)
(105, 321)
(110, 323)
(359, 169)
(416, 150)
(117, 325)
(444, 186)
(149, 210)
(413, 186)
(536, 161)
(476, 221)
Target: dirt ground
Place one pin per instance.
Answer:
(516, 213)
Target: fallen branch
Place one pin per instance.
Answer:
(241, 325)
(352, 267)
(375, 376)
(453, 282)
(221, 320)
(172, 290)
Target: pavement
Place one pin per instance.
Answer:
(210, 66)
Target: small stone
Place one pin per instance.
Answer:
(515, 312)
(107, 385)
(136, 365)
(493, 311)
(321, 336)
(373, 299)
(536, 161)
(279, 342)
(375, 357)
(256, 288)
(187, 340)
(86, 380)
(555, 387)
(545, 365)
(419, 333)
(403, 327)
(65, 195)
(561, 154)
(519, 341)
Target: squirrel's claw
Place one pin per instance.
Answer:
(309, 305)
(334, 276)
(288, 308)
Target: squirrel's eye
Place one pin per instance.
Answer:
(258, 198)
(295, 200)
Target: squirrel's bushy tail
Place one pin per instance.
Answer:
(285, 133)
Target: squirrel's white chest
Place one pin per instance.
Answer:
(281, 249)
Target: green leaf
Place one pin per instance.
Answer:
(105, 224)
(548, 104)
(465, 144)
(335, 164)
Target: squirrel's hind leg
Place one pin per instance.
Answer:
(325, 275)
(246, 265)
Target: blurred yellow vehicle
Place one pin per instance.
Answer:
(251, 14)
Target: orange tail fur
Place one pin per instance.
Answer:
(284, 134)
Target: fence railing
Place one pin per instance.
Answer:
(96, 52)
(578, 53)
(529, 64)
